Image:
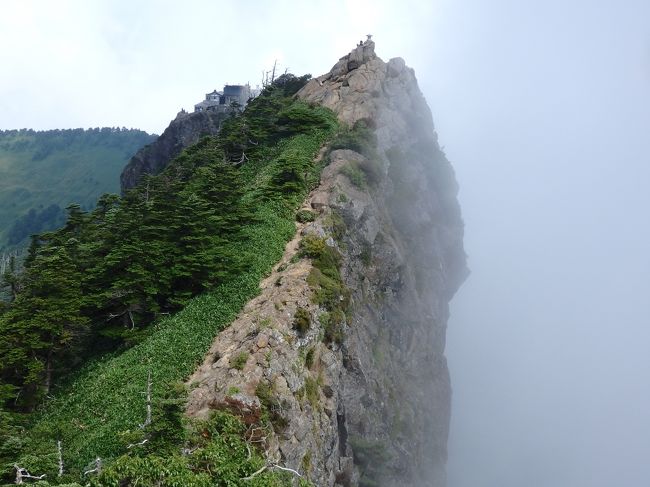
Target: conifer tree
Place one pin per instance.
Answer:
(44, 324)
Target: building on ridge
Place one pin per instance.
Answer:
(232, 96)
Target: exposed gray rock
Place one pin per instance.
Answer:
(404, 260)
(382, 398)
(185, 130)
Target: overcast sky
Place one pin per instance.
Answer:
(138, 62)
(544, 110)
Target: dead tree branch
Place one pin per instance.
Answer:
(131, 318)
(147, 421)
(117, 315)
(242, 159)
(250, 477)
(188, 451)
(59, 450)
(286, 470)
(22, 474)
(137, 444)
(97, 469)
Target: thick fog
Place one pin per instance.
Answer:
(547, 121)
(543, 109)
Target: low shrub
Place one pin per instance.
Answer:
(312, 391)
(354, 173)
(326, 282)
(312, 246)
(366, 255)
(272, 408)
(216, 455)
(359, 138)
(305, 216)
(301, 320)
(333, 326)
(309, 358)
(239, 361)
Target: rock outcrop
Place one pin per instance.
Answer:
(185, 130)
(373, 409)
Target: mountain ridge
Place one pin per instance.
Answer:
(336, 372)
(380, 411)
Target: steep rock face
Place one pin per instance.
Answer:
(395, 388)
(373, 410)
(185, 130)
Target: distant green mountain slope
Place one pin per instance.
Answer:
(43, 172)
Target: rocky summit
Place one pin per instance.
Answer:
(379, 409)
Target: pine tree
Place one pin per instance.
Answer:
(44, 324)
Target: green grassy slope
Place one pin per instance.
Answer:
(98, 409)
(59, 167)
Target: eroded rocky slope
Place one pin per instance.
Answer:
(373, 407)
(185, 130)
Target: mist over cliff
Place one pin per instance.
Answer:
(388, 205)
(545, 120)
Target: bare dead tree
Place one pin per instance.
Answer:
(269, 76)
(243, 158)
(97, 469)
(60, 452)
(254, 474)
(137, 444)
(286, 469)
(146, 194)
(125, 312)
(147, 421)
(275, 63)
(22, 474)
(255, 434)
(9, 272)
(188, 451)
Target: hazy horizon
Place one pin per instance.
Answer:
(543, 111)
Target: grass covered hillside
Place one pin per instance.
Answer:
(122, 303)
(41, 173)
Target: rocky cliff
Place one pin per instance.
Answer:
(185, 130)
(370, 405)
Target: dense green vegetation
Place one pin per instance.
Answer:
(326, 282)
(96, 322)
(362, 139)
(41, 173)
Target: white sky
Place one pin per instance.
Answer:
(135, 63)
(543, 108)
